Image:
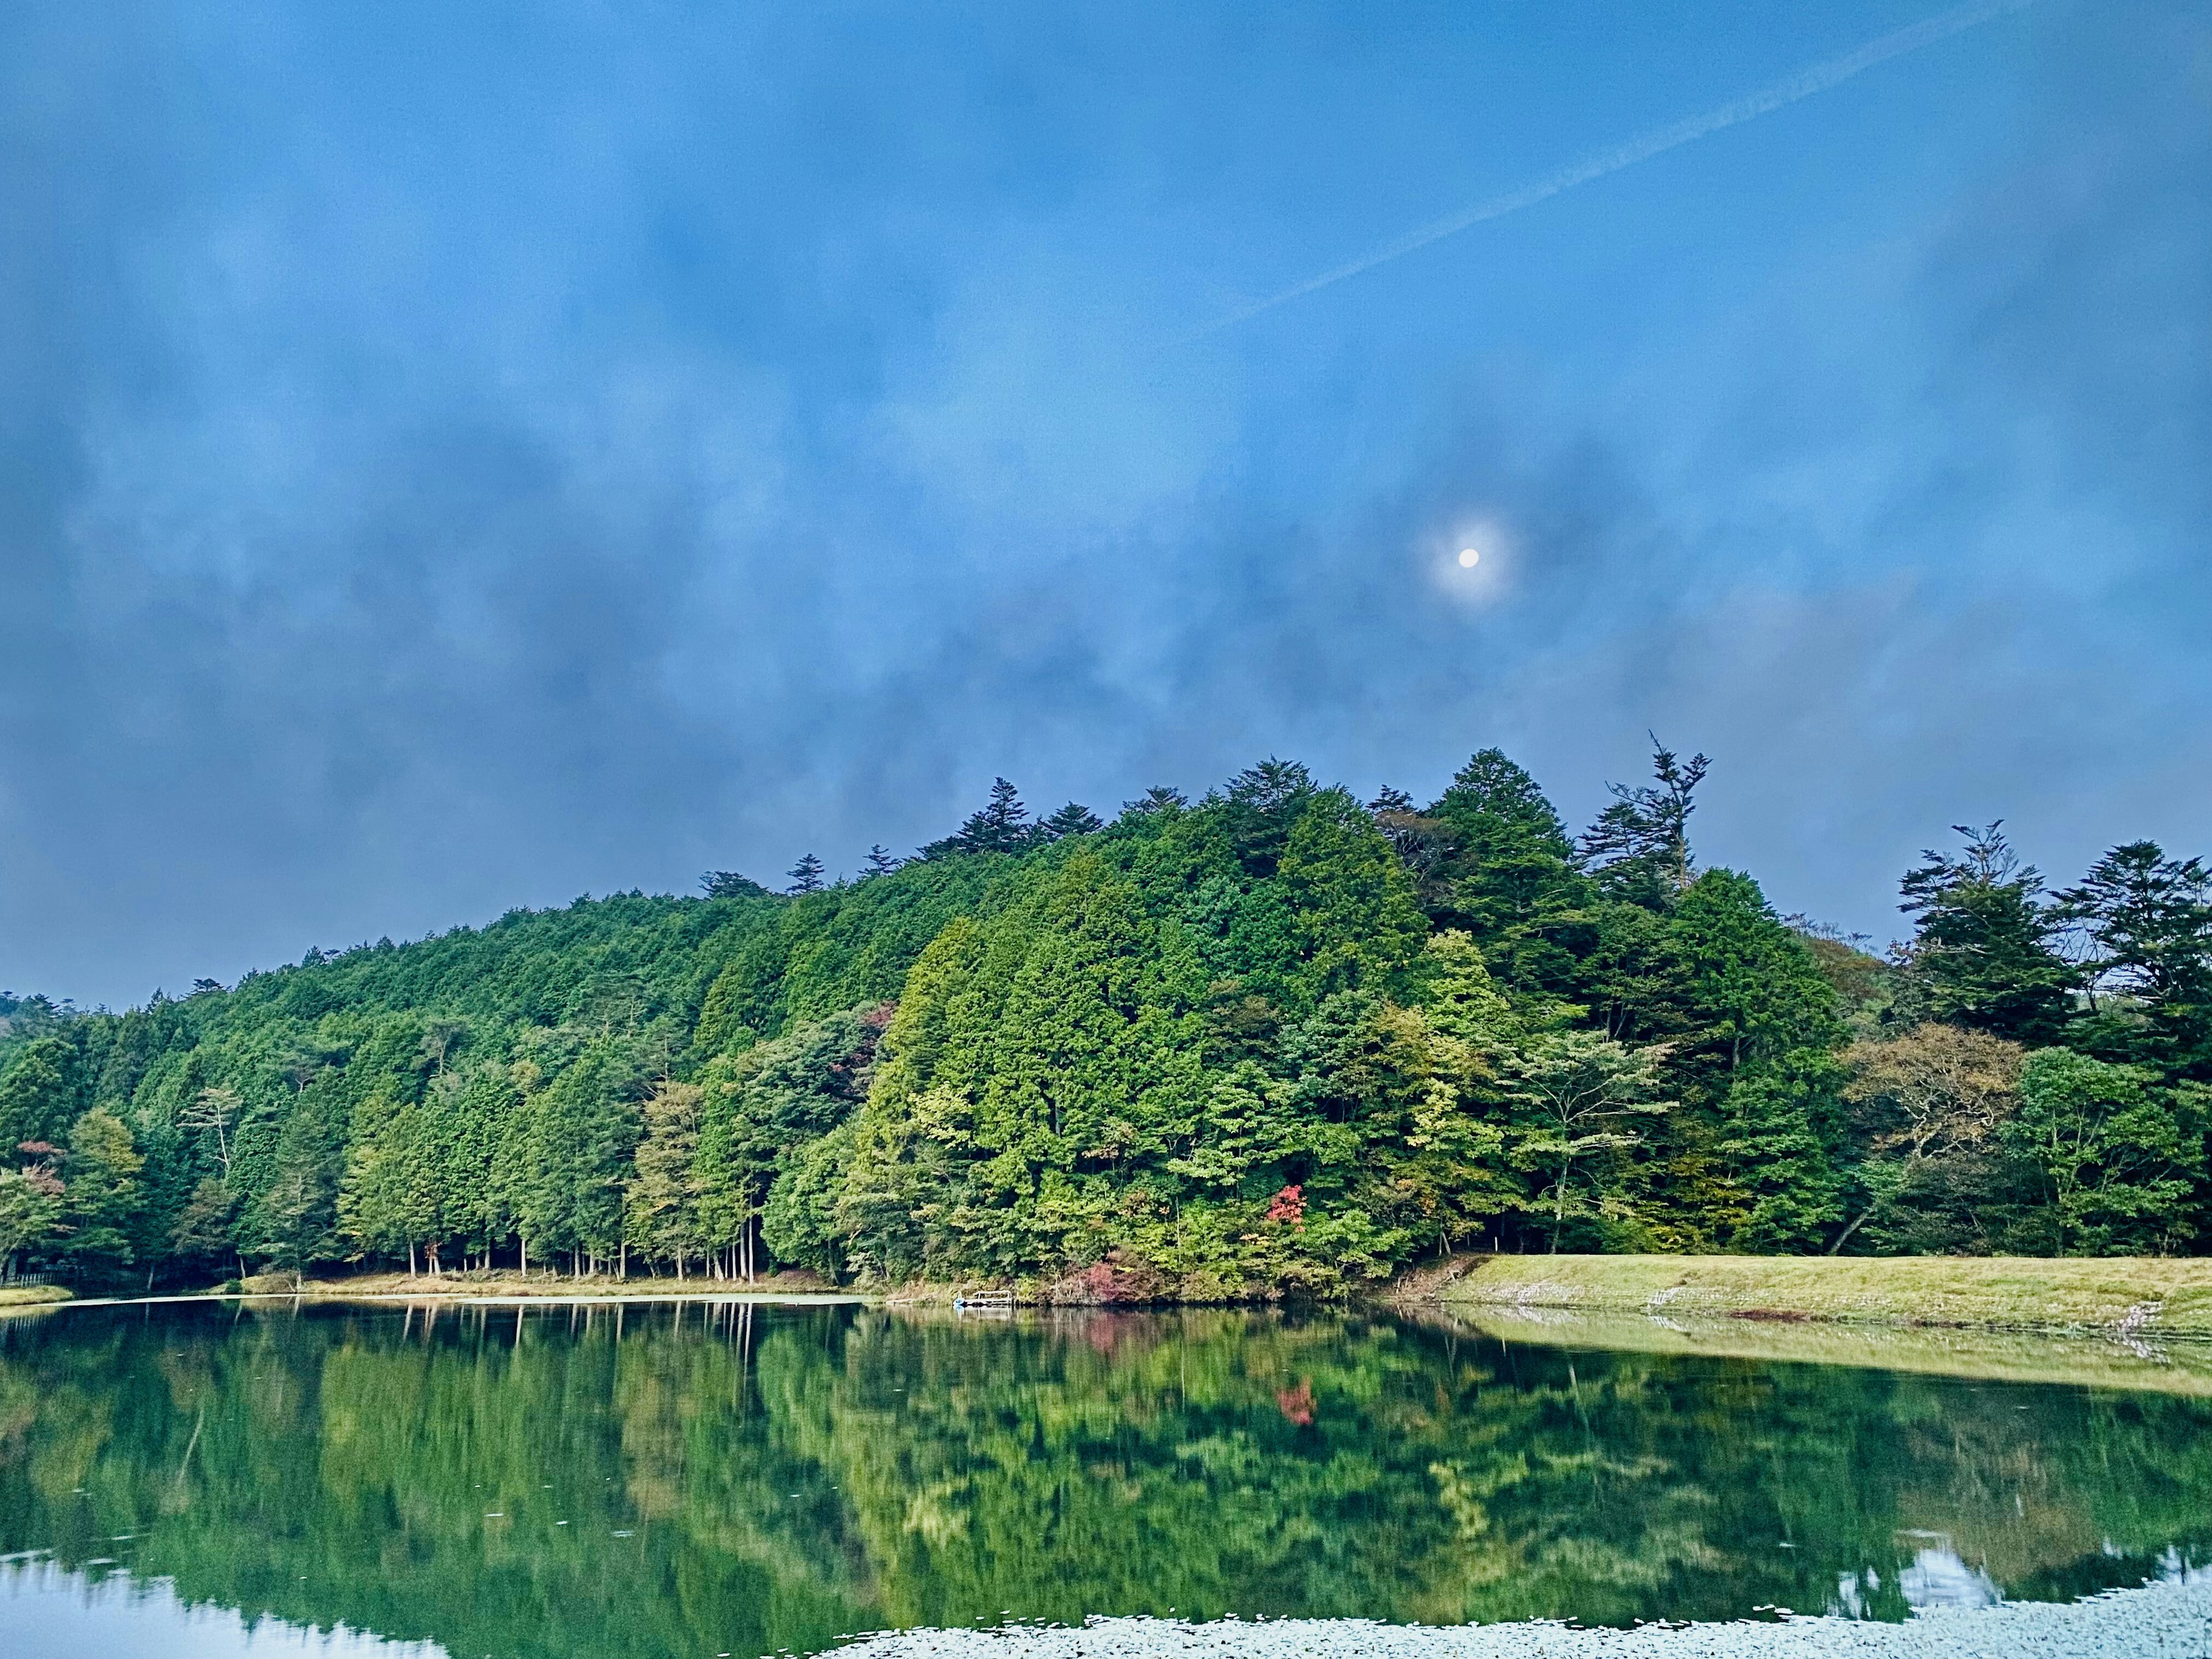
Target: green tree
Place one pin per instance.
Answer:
(1933, 1100)
(1981, 954)
(100, 1194)
(292, 1218)
(661, 1197)
(2119, 1157)
(1639, 847)
(41, 1088)
(1583, 1102)
(30, 1212)
(1512, 867)
(2148, 921)
(387, 1197)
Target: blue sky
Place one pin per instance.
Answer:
(454, 458)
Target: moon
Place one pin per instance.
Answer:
(1468, 558)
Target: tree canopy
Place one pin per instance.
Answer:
(1272, 1041)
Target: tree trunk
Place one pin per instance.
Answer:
(524, 1245)
(410, 1258)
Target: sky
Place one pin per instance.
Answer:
(460, 457)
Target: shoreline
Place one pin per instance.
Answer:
(1762, 1303)
(2169, 1619)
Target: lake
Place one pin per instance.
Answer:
(710, 1478)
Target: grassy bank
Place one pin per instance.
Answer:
(31, 1296)
(2140, 1296)
(548, 1286)
(1982, 1356)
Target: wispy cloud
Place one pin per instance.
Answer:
(1791, 89)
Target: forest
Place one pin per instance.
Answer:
(1273, 1041)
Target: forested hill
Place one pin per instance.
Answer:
(1274, 1041)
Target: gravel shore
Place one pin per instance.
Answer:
(2160, 1621)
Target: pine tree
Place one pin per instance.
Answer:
(806, 876)
(1981, 956)
(728, 884)
(1072, 819)
(1640, 845)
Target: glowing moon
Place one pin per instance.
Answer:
(1468, 558)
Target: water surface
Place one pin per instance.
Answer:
(738, 1480)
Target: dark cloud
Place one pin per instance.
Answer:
(438, 478)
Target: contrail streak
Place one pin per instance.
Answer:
(1803, 84)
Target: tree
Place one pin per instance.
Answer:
(30, 1210)
(806, 875)
(1259, 807)
(1982, 956)
(214, 1110)
(1581, 1097)
(1780, 1164)
(292, 1221)
(1511, 865)
(2148, 921)
(583, 1129)
(882, 860)
(1071, 819)
(1158, 801)
(661, 1202)
(2118, 1157)
(1422, 842)
(387, 1198)
(99, 1195)
(1752, 991)
(1000, 825)
(1935, 1094)
(1640, 844)
(205, 1229)
(728, 884)
(41, 1085)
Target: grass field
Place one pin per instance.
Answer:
(2143, 1297)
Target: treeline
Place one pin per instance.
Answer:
(1273, 1041)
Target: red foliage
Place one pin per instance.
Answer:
(1297, 1404)
(1290, 1206)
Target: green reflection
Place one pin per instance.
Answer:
(565, 1481)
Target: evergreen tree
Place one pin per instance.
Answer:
(388, 1197)
(806, 875)
(1511, 866)
(42, 1091)
(728, 884)
(2147, 920)
(661, 1197)
(1639, 845)
(1981, 954)
(1000, 825)
(99, 1195)
(882, 860)
(1071, 819)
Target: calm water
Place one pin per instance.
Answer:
(739, 1480)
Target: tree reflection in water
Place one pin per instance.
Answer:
(663, 1482)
